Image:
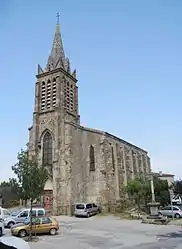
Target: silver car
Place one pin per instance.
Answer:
(171, 211)
(86, 209)
(21, 215)
(1, 227)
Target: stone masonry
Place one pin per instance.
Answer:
(84, 164)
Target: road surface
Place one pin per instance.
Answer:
(110, 233)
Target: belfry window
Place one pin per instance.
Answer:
(54, 93)
(48, 95)
(92, 158)
(43, 95)
(69, 96)
(47, 149)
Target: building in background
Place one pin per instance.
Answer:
(168, 177)
(84, 164)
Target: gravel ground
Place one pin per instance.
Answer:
(110, 233)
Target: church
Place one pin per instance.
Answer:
(84, 164)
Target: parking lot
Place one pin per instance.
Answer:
(107, 232)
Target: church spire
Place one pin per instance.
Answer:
(57, 46)
(57, 56)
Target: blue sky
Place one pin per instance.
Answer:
(128, 56)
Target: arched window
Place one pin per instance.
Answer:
(92, 158)
(113, 161)
(47, 149)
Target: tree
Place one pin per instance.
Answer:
(140, 190)
(31, 178)
(177, 187)
(137, 189)
(161, 190)
(10, 192)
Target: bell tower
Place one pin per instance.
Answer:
(56, 106)
(57, 76)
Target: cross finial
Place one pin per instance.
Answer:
(58, 15)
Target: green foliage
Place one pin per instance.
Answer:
(136, 189)
(31, 176)
(11, 203)
(10, 192)
(140, 190)
(161, 189)
(177, 187)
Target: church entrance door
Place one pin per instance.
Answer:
(48, 200)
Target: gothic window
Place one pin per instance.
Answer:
(92, 158)
(140, 166)
(113, 161)
(47, 149)
(134, 159)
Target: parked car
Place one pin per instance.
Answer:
(4, 213)
(86, 209)
(1, 227)
(40, 225)
(22, 214)
(171, 211)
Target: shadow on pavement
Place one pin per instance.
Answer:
(172, 235)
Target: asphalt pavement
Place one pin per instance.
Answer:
(107, 232)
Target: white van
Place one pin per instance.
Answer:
(21, 215)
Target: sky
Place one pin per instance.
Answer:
(128, 56)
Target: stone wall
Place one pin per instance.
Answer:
(116, 163)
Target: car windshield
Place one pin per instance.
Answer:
(15, 213)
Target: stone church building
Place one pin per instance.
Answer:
(84, 164)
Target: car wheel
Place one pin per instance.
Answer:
(177, 216)
(88, 215)
(22, 233)
(52, 231)
(10, 224)
(1, 232)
